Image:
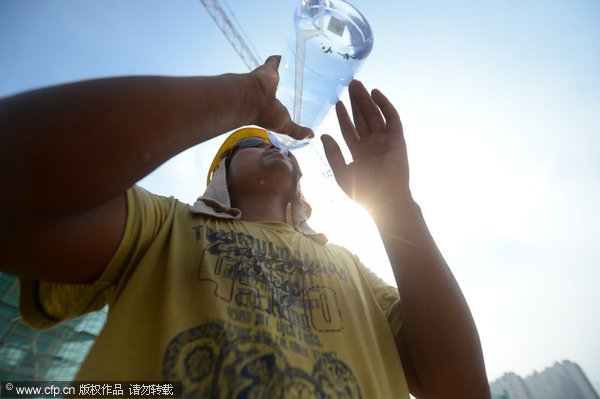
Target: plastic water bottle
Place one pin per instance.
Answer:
(327, 46)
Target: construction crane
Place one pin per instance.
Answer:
(233, 35)
(248, 56)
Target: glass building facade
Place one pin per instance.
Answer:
(53, 354)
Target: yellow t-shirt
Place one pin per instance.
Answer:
(232, 309)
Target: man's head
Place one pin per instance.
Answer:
(253, 164)
(227, 169)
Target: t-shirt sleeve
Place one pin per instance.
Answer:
(387, 297)
(44, 304)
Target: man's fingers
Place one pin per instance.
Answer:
(278, 120)
(392, 118)
(359, 119)
(346, 126)
(273, 61)
(366, 109)
(295, 131)
(300, 132)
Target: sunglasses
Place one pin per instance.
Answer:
(250, 142)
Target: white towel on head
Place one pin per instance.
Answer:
(216, 202)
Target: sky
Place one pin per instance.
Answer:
(500, 102)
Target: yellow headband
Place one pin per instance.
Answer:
(229, 143)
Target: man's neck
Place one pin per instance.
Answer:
(262, 208)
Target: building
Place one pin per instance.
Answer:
(54, 354)
(562, 380)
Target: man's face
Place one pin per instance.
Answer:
(262, 167)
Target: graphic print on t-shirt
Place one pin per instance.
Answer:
(277, 304)
(218, 360)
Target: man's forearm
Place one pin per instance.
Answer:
(440, 334)
(72, 147)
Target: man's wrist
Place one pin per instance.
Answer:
(401, 203)
(252, 100)
(390, 211)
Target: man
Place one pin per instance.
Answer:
(234, 296)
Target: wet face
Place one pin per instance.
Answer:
(262, 167)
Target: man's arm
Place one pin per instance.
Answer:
(438, 343)
(68, 153)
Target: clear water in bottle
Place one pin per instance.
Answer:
(323, 53)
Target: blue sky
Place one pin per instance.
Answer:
(501, 107)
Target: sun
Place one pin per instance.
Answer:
(348, 224)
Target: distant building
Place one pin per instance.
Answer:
(562, 380)
(53, 354)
